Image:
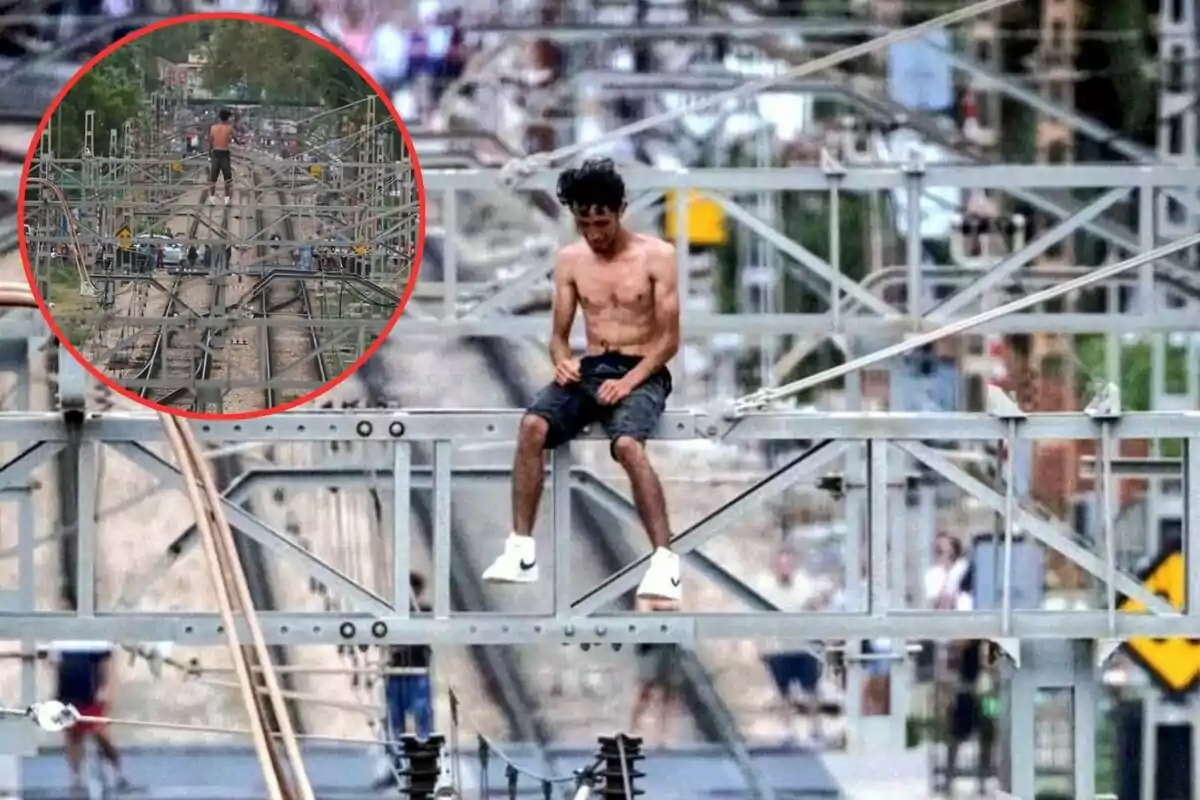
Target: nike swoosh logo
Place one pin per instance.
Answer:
(526, 565)
(675, 582)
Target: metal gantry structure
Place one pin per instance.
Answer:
(1049, 650)
(1163, 288)
(316, 250)
(857, 310)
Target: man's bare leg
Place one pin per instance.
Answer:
(529, 473)
(662, 578)
(109, 752)
(518, 562)
(648, 495)
(641, 705)
(74, 752)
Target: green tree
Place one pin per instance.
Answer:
(115, 90)
(274, 65)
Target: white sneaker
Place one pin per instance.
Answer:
(227, 200)
(662, 578)
(517, 564)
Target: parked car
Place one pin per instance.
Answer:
(172, 250)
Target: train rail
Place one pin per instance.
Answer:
(281, 297)
(189, 352)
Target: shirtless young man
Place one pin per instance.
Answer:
(220, 137)
(627, 286)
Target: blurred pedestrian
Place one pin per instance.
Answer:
(659, 678)
(85, 680)
(407, 688)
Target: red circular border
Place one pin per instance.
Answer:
(317, 40)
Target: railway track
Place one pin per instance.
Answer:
(249, 553)
(281, 349)
(187, 353)
(174, 352)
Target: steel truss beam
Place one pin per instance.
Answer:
(386, 434)
(469, 310)
(700, 324)
(500, 425)
(813, 179)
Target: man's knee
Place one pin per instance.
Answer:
(533, 431)
(628, 451)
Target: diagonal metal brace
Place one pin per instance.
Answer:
(272, 540)
(1045, 532)
(17, 472)
(814, 459)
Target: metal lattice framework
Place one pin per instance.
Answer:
(1044, 646)
(1049, 650)
(1163, 286)
(475, 310)
(311, 259)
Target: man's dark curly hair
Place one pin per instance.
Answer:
(593, 185)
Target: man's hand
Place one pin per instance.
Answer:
(613, 392)
(566, 371)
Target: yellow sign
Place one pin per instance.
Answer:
(360, 249)
(1173, 663)
(176, 166)
(705, 220)
(124, 238)
(314, 170)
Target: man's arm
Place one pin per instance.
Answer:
(565, 301)
(665, 275)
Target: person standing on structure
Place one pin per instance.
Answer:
(627, 285)
(85, 681)
(220, 138)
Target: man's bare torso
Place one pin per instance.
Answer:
(221, 136)
(617, 295)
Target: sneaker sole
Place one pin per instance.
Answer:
(511, 580)
(672, 598)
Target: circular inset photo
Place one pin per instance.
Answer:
(222, 216)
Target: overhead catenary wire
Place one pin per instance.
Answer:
(56, 716)
(458, 712)
(520, 168)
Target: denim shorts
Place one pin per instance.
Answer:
(570, 409)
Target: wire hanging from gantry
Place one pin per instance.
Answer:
(419, 763)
